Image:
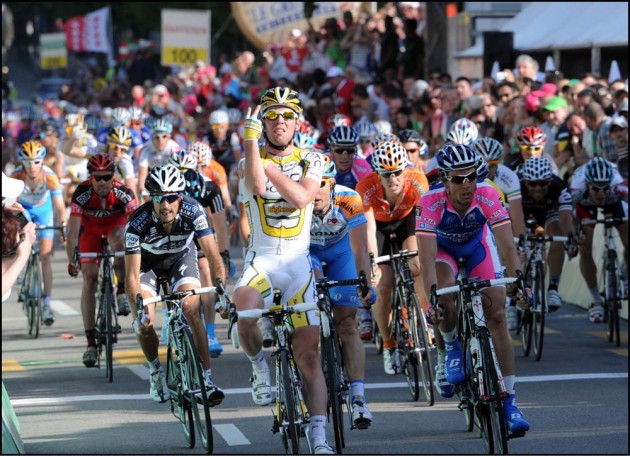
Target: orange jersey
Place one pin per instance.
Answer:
(371, 191)
(216, 172)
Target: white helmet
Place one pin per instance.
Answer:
(183, 160)
(136, 113)
(383, 126)
(389, 156)
(165, 179)
(120, 117)
(219, 117)
(201, 151)
(463, 131)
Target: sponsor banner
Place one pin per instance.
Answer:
(185, 37)
(52, 51)
(89, 33)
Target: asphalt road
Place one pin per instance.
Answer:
(576, 397)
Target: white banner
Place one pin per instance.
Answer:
(185, 36)
(89, 33)
(52, 50)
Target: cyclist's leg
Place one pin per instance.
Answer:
(588, 268)
(88, 242)
(207, 300)
(115, 237)
(555, 260)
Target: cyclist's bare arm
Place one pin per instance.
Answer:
(219, 224)
(427, 244)
(254, 172)
(132, 277)
(211, 251)
(517, 217)
(566, 222)
(358, 241)
(74, 225)
(300, 194)
(507, 248)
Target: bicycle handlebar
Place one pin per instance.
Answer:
(50, 227)
(178, 295)
(534, 237)
(604, 220)
(101, 254)
(255, 314)
(401, 254)
(474, 285)
(324, 283)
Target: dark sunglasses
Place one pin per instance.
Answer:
(595, 188)
(273, 115)
(538, 183)
(345, 151)
(391, 173)
(412, 151)
(104, 177)
(323, 183)
(170, 198)
(470, 177)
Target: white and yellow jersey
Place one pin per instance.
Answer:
(276, 226)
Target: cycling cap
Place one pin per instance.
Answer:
(463, 131)
(182, 159)
(101, 162)
(365, 129)
(165, 179)
(31, 150)
(383, 126)
(303, 141)
(599, 171)
(219, 117)
(537, 168)
(280, 96)
(389, 156)
(531, 136)
(455, 156)
(330, 170)
(162, 126)
(120, 117)
(343, 136)
(119, 135)
(489, 148)
(201, 151)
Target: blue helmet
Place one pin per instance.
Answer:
(455, 156)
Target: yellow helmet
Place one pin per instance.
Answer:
(31, 150)
(119, 135)
(280, 96)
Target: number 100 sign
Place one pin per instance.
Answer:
(185, 37)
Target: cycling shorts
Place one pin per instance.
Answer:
(90, 239)
(482, 258)
(290, 273)
(614, 210)
(404, 228)
(43, 215)
(544, 217)
(184, 270)
(341, 268)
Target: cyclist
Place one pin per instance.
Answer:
(343, 144)
(137, 124)
(531, 142)
(121, 117)
(225, 144)
(338, 239)
(100, 207)
(464, 218)
(280, 183)
(156, 153)
(213, 170)
(42, 197)
(209, 195)
(118, 144)
(159, 243)
(390, 195)
(417, 149)
(366, 132)
(595, 185)
(547, 200)
(463, 131)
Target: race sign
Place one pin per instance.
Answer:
(52, 51)
(185, 37)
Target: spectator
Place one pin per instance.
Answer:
(619, 134)
(597, 140)
(464, 91)
(583, 98)
(357, 44)
(342, 89)
(506, 91)
(390, 47)
(568, 151)
(414, 55)
(555, 112)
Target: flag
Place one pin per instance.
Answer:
(89, 33)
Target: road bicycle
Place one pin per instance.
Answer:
(531, 326)
(331, 350)
(482, 392)
(409, 326)
(106, 324)
(611, 280)
(291, 417)
(185, 376)
(33, 285)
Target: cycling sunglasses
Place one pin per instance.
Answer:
(596, 188)
(532, 149)
(324, 182)
(169, 198)
(470, 177)
(349, 151)
(104, 177)
(538, 183)
(391, 173)
(411, 150)
(119, 147)
(27, 163)
(286, 115)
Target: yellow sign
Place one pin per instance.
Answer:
(52, 51)
(183, 56)
(51, 63)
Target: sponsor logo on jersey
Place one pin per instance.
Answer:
(141, 221)
(84, 197)
(201, 223)
(132, 241)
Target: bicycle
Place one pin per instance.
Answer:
(611, 279)
(185, 376)
(409, 325)
(106, 324)
(337, 382)
(482, 392)
(531, 326)
(32, 285)
(291, 417)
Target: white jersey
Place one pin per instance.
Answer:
(276, 226)
(124, 169)
(579, 190)
(150, 157)
(508, 182)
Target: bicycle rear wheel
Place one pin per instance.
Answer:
(108, 303)
(35, 298)
(540, 311)
(421, 348)
(494, 431)
(180, 406)
(288, 418)
(334, 381)
(613, 303)
(197, 394)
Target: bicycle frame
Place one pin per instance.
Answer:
(31, 291)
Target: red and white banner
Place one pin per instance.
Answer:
(89, 33)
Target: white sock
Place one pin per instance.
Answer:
(509, 381)
(449, 337)
(258, 361)
(318, 426)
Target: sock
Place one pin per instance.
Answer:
(46, 301)
(597, 298)
(509, 381)
(155, 365)
(554, 282)
(258, 361)
(209, 375)
(389, 344)
(449, 337)
(441, 356)
(121, 288)
(358, 389)
(318, 426)
(91, 340)
(210, 330)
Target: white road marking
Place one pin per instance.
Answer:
(62, 309)
(140, 370)
(231, 434)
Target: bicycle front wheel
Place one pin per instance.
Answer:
(334, 380)
(613, 301)
(197, 394)
(34, 298)
(180, 406)
(288, 418)
(108, 303)
(540, 310)
(494, 431)
(421, 347)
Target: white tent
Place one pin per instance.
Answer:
(560, 25)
